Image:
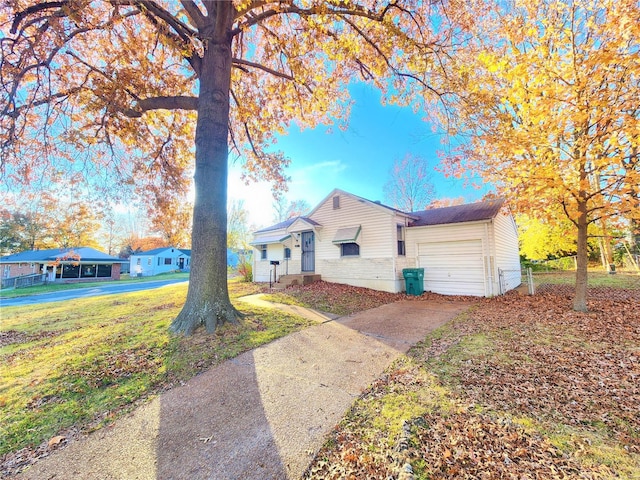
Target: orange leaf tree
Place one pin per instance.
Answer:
(547, 97)
(132, 86)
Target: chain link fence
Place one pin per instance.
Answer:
(623, 286)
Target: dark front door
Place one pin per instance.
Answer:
(308, 252)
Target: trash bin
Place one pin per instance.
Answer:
(414, 280)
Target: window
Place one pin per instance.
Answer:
(336, 202)
(70, 271)
(159, 261)
(287, 253)
(88, 271)
(263, 251)
(349, 249)
(167, 261)
(104, 270)
(138, 261)
(149, 261)
(401, 245)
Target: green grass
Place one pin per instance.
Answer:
(55, 287)
(595, 279)
(82, 364)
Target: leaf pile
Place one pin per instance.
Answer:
(463, 445)
(528, 389)
(581, 369)
(340, 299)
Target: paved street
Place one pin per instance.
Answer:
(107, 289)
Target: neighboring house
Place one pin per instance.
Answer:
(464, 250)
(65, 264)
(159, 260)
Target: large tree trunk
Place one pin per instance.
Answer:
(208, 301)
(582, 257)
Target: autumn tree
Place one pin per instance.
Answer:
(237, 224)
(20, 231)
(409, 187)
(547, 95)
(446, 202)
(135, 244)
(75, 225)
(541, 239)
(130, 86)
(285, 209)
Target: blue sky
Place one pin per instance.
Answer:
(357, 160)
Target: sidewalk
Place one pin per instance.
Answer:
(262, 415)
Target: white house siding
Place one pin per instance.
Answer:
(457, 258)
(375, 273)
(506, 251)
(374, 267)
(147, 265)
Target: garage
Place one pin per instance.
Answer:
(453, 268)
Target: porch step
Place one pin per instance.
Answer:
(301, 279)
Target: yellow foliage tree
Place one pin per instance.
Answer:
(541, 239)
(548, 92)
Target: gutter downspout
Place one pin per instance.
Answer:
(488, 257)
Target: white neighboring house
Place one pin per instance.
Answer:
(159, 260)
(464, 250)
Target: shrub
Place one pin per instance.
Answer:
(246, 271)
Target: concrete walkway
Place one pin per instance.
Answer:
(262, 415)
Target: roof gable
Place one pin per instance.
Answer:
(471, 212)
(378, 205)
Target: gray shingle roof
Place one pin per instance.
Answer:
(86, 254)
(471, 212)
(286, 224)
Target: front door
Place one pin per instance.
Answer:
(308, 252)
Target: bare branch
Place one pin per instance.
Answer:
(34, 9)
(177, 102)
(240, 61)
(194, 13)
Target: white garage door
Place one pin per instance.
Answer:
(453, 268)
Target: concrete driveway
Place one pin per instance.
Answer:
(262, 415)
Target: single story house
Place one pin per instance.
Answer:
(66, 264)
(464, 250)
(159, 260)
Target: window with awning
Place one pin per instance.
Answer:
(347, 235)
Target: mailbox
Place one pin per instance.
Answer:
(275, 262)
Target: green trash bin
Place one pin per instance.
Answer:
(413, 280)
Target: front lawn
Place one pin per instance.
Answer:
(69, 367)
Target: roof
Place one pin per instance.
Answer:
(264, 239)
(86, 254)
(156, 251)
(471, 212)
(287, 223)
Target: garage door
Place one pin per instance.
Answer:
(453, 268)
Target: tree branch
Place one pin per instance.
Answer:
(177, 102)
(194, 13)
(354, 11)
(240, 61)
(34, 9)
